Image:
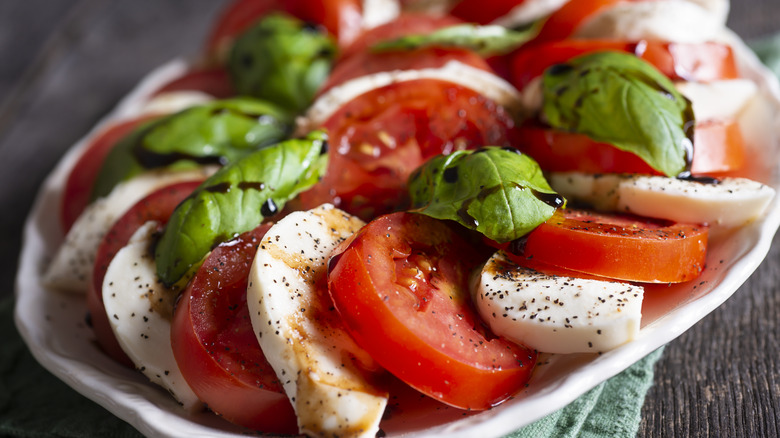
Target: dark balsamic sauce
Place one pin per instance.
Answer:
(269, 208)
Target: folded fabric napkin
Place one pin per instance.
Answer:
(34, 403)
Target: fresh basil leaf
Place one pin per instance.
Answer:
(497, 191)
(488, 40)
(236, 199)
(619, 99)
(283, 60)
(218, 132)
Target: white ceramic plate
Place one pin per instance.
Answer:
(52, 324)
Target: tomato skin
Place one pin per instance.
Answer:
(718, 148)
(157, 206)
(562, 23)
(212, 81)
(216, 348)
(380, 137)
(562, 151)
(342, 18)
(482, 12)
(701, 62)
(78, 187)
(367, 62)
(401, 287)
(239, 16)
(621, 247)
(405, 24)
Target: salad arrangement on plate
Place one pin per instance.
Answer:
(345, 203)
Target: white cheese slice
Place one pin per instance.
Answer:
(140, 309)
(379, 12)
(481, 81)
(300, 332)
(731, 203)
(71, 268)
(174, 101)
(661, 20)
(718, 100)
(528, 11)
(556, 314)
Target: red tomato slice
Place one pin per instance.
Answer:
(212, 81)
(622, 247)
(367, 62)
(342, 18)
(718, 148)
(216, 348)
(406, 24)
(402, 288)
(157, 206)
(236, 18)
(679, 61)
(562, 23)
(78, 187)
(379, 138)
(482, 12)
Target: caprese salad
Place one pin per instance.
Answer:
(346, 196)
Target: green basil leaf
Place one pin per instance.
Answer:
(619, 99)
(499, 192)
(236, 199)
(487, 40)
(218, 132)
(283, 60)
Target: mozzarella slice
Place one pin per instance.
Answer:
(481, 81)
(663, 20)
(140, 309)
(71, 268)
(556, 314)
(379, 12)
(731, 203)
(174, 101)
(528, 11)
(718, 100)
(320, 366)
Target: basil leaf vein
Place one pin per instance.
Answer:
(236, 199)
(619, 99)
(218, 132)
(498, 192)
(486, 41)
(283, 60)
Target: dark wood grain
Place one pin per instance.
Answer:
(64, 64)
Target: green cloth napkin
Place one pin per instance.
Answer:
(34, 403)
(768, 50)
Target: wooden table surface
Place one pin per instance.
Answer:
(63, 64)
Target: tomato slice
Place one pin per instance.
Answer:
(405, 24)
(239, 16)
(679, 61)
(212, 81)
(718, 148)
(157, 206)
(622, 247)
(342, 18)
(368, 62)
(380, 137)
(562, 23)
(216, 348)
(482, 12)
(402, 288)
(78, 187)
